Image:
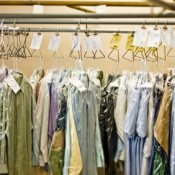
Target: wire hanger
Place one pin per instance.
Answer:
(130, 48)
(3, 47)
(86, 52)
(71, 54)
(114, 47)
(99, 50)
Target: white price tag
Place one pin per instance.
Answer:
(95, 81)
(78, 84)
(96, 39)
(38, 9)
(166, 36)
(36, 41)
(12, 83)
(54, 42)
(172, 43)
(153, 38)
(140, 37)
(88, 43)
(76, 42)
(115, 83)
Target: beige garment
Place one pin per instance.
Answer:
(42, 117)
(120, 111)
(161, 129)
(76, 164)
(148, 142)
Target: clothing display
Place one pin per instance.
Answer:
(70, 122)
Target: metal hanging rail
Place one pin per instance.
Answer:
(92, 22)
(76, 2)
(87, 15)
(68, 30)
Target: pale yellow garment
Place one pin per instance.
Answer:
(42, 117)
(161, 129)
(76, 164)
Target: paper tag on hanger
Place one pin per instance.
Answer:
(38, 9)
(36, 41)
(12, 83)
(153, 38)
(140, 37)
(96, 40)
(129, 44)
(75, 42)
(95, 81)
(88, 43)
(165, 36)
(115, 83)
(78, 84)
(115, 40)
(172, 43)
(54, 42)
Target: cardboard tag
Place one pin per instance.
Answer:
(140, 37)
(153, 38)
(75, 42)
(96, 39)
(36, 41)
(78, 84)
(38, 9)
(12, 83)
(165, 36)
(129, 43)
(54, 42)
(115, 40)
(95, 81)
(88, 43)
(115, 83)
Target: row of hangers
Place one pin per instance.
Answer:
(13, 43)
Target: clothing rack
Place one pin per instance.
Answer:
(92, 22)
(69, 30)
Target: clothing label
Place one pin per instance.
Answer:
(96, 39)
(78, 84)
(140, 37)
(153, 38)
(36, 41)
(129, 43)
(88, 43)
(12, 83)
(165, 36)
(115, 41)
(54, 42)
(172, 44)
(49, 77)
(75, 42)
(95, 81)
(38, 9)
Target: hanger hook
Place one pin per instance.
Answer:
(144, 24)
(156, 25)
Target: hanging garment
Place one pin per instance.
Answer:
(4, 97)
(73, 161)
(35, 83)
(161, 133)
(108, 129)
(42, 117)
(20, 128)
